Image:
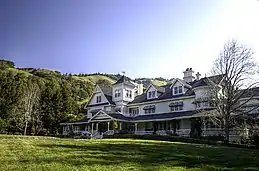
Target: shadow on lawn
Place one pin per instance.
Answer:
(149, 154)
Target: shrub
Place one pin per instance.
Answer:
(181, 139)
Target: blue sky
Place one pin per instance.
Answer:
(147, 38)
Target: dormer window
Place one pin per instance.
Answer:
(152, 94)
(98, 99)
(117, 93)
(178, 90)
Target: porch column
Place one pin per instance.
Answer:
(92, 127)
(120, 125)
(97, 126)
(108, 126)
(136, 127)
(204, 125)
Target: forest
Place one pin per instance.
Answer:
(36, 101)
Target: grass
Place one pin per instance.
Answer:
(45, 153)
(159, 83)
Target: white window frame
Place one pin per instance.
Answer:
(117, 93)
(176, 90)
(98, 99)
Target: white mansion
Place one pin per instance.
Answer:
(158, 109)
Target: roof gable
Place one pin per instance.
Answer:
(106, 91)
(180, 81)
(124, 79)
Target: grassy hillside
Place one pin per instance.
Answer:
(45, 153)
(95, 78)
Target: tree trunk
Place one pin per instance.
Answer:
(25, 129)
(226, 130)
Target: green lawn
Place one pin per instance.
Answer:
(43, 153)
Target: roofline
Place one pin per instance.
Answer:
(93, 95)
(163, 100)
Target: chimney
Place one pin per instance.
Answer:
(140, 89)
(198, 76)
(188, 75)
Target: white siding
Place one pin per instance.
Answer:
(201, 92)
(94, 97)
(163, 107)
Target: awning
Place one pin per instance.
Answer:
(176, 104)
(149, 107)
(95, 110)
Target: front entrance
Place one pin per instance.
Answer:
(102, 127)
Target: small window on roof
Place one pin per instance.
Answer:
(178, 90)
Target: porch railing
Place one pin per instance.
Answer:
(110, 132)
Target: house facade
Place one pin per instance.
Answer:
(163, 110)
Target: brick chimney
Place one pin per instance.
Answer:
(188, 75)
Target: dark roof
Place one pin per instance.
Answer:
(107, 90)
(158, 88)
(164, 115)
(124, 79)
(119, 116)
(249, 93)
(153, 116)
(167, 95)
(204, 81)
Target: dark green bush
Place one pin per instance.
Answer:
(181, 139)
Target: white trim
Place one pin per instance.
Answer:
(164, 100)
(101, 111)
(184, 84)
(200, 87)
(93, 95)
(74, 123)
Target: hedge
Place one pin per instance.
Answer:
(204, 140)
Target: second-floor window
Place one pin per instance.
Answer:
(98, 99)
(178, 90)
(176, 106)
(150, 109)
(117, 93)
(133, 111)
(128, 93)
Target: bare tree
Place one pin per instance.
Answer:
(30, 99)
(234, 89)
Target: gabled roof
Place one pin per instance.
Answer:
(124, 79)
(184, 83)
(168, 94)
(204, 81)
(158, 88)
(107, 91)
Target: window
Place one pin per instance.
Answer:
(198, 104)
(153, 94)
(149, 94)
(98, 99)
(117, 93)
(176, 106)
(128, 93)
(150, 110)
(133, 111)
(178, 90)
